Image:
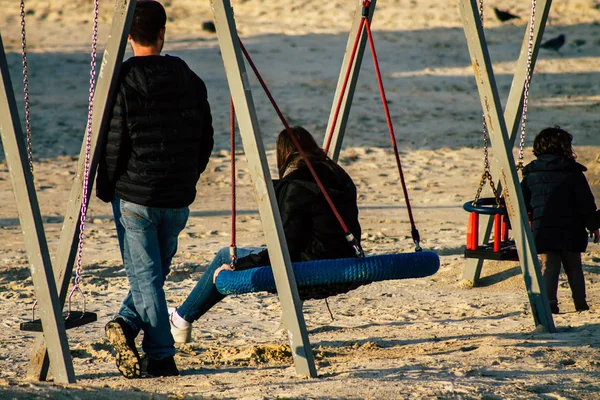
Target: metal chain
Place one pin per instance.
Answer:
(527, 84)
(86, 174)
(27, 112)
(486, 176)
(26, 88)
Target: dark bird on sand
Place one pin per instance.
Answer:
(209, 26)
(554, 43)
(504, 15)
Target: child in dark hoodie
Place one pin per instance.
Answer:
(561, 204)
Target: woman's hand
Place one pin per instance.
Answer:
(221, 268)
(595, 235)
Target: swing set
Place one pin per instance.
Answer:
(51, 281)
(509, 209)
(323, 278)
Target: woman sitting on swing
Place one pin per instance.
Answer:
(311, 229)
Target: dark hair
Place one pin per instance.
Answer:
(287, 154)
(149, 18)
(554, 141)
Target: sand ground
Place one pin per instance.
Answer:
(421, 338)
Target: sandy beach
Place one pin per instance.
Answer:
(430, 338)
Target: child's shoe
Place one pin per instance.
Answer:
(581, 306)
(180, 335)
(163, 367)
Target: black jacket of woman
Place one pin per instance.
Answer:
(561, 202)
(311, 229)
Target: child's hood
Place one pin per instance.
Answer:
(552, 162)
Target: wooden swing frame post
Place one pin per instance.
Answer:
(69, 237)
(51, 348)
(504, 161)
(512, 116)
(32, 226)
(342, 120)
(239, 86)
(503, 164)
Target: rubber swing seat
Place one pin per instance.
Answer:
(324, 278)
(74, 319)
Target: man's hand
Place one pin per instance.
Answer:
(227, 266)
(596, 235)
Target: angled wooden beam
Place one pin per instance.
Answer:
(338, 130)
(30, 217)
(504, 160)
(103, 98)
(512, 116)
(239, 86)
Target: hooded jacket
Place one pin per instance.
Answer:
(160, 134)
(312, 231)
(561, 202)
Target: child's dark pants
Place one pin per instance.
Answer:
(571, 262)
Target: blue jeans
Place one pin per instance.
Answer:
(148, 241)
(205, 293)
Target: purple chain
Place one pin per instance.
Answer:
(26, 88)
(86, 174)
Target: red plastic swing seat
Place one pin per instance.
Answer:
(501, 248)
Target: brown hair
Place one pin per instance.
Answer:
(287, 154)
(149, 18)
(554, 141)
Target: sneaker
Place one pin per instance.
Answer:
(180, 335)
(163, 367)
(122, 337)
(581, 306)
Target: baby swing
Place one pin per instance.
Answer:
(502, 247)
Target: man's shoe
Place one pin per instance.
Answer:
(122, 337)
(163, 367)
(180, 335)
(581, 306)
(554, 308)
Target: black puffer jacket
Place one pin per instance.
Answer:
(311, 230)
(561, 202)
(160, 135)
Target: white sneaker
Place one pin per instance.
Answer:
(180, 335)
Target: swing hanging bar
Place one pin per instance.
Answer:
(349, 236)
(366, 25)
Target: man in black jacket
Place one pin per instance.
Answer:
(157, 144)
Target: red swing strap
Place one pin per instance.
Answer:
(364, 23)
(349, 236)
(233, 245)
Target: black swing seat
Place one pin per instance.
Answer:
(508, 252)
(75, 319)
